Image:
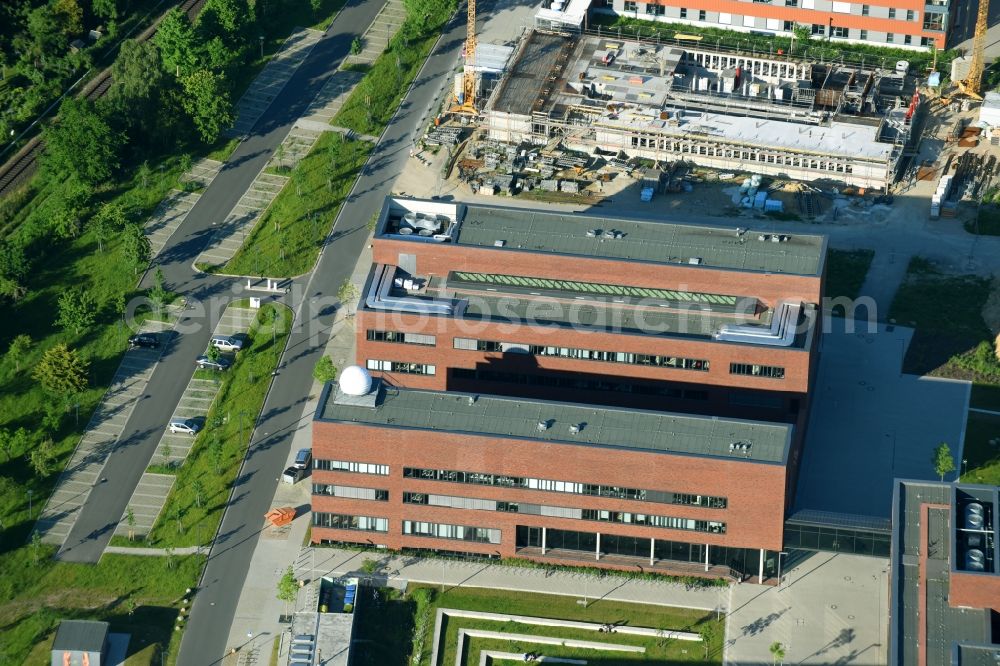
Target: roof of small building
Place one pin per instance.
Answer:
(569, 423)
(81, 635)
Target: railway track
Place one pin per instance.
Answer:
(25, 161)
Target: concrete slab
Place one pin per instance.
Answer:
(870, 423)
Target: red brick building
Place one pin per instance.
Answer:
(648, 314)
(551, 481)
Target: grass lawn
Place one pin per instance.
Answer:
(846, 271)
(190, 519)
(391, 625)
(376, 97)
(983, 458)
(36, 596)
(287, 239)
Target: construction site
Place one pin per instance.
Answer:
(603, 98)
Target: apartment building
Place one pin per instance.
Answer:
(916, 24)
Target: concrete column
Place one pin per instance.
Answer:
(543, 541)
(706, 556)
(598, 551)
(760, 570)
(652, 547)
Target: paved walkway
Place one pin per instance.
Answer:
(83, 470)
(272, 79)
(202, 172)
(153, 552)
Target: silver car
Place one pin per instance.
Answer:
(185, 426)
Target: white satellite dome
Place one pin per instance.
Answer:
(355, 380)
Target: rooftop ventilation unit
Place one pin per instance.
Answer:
(499, 243)
(543, 426)
(695, 261)
(472, 399)
(593, 233)
(574, 429)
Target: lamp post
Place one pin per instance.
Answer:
(965, 461)
(261, 38)
(782, 553)
(30, 493)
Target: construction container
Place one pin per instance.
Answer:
(774, 206)
(759, 200)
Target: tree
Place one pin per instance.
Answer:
(6, 443)
(107, 9)
(41, 456)
(207, 101)
(109, 218)
(288, 588)
(13, 269)
(707, 633)
(137, 77)
(347, 292)
(77, 310)
(69, 15)
(18, 349)
(81, 144)
(215, 455)
(61, 371)
(324, 371)
(136, 247)
(802, 33)
(213, 353)
(143, 173)
(198, 488)
(177, 43)
(36, 546)
(157, 293)
(943, 460)
(130, 521)
(777, 651)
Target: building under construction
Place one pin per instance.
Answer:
(757, 113)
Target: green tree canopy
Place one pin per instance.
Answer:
(81, 144)
(107, 9)
(137, 78)
(943, 460)
(324, 370)
(18, 349)
(13, 269)
(136, 248)
(177, 43)
(69, 15)
(61, 371)
(77, 310)
(207, 101)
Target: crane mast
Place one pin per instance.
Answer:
(972, 85)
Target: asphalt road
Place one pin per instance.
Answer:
(215, 603)
(108, 500)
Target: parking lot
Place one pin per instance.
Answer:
(100, 438)
(146, 503)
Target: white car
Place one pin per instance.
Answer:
(186, 426)
(227, 343)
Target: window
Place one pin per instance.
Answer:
(348, 466)
(549, 485)
(864, 10)
(725, 19)
(818, 29)
(749, 21)
(907, 39)
(889, 37)
(702, 14)
(841, 7)
(892, 12)
(457, 532)
(752, 370)
(839, 32)
(350, 492)
(788, 26)
(925, 41)
(864, 35)
(630, 6)
(791, 3)
(909, 15)
(401, 367)
(656, 10)
(338, 521)
(684, 12)
(932, 22)
(398, 336)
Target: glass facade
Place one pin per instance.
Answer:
(837, 540)
(675, 362)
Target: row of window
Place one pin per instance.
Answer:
(402, 338)
(572, 382)
(350, 466)
(351, 492)
(624, 517)
(470, 344)
(456, 532)
(339, 521)
(401, 367)
(752, 370)
(549, 485)
(667, 144)
(836, 7)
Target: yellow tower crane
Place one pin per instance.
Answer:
(467, 104)
(972, 84)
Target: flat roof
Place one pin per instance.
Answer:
(496, 416)
(81, 635)
(943, 624)
(661, 242)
